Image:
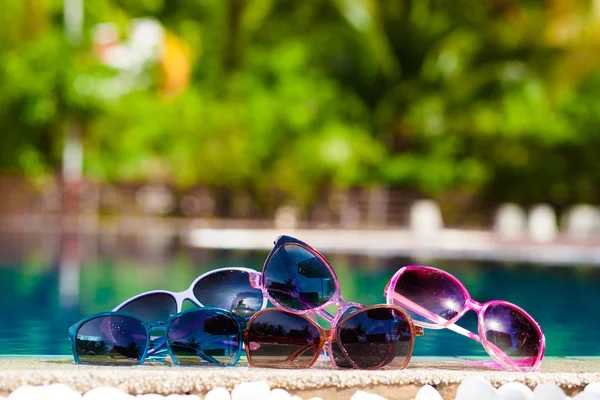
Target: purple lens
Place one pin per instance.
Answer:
(282, 340)
(153, 307)
(376, 337)
(297, 279)
(111, 340)
(231, 290)
(204, 337)
(513, 333)
(433, 291)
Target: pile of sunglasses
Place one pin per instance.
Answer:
(231, 318)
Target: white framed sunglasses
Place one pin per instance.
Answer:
(227, 288)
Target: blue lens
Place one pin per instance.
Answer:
(204, 337)
(111, 340)
(229, 289)
(297, 279)
(152, 307)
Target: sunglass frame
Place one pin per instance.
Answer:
(152, 326)
(330, 336)
(393, 298)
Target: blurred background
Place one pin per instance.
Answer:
(146, 142)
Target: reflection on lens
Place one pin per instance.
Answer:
(298, 279)
(231, 290)
(513, 333)
(282, 340)
(433, 291)
(376, 337)
(339, 358)
(153, 307)
(111, 340)
(204, 337)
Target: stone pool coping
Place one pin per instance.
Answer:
(445, 375)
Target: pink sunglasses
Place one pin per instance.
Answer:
(435, 299)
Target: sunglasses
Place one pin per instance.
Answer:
(300, 282)
(226, 288)
(202, 336)
(435, 299)
(370, 338)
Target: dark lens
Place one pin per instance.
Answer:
(111, 340)
(204, 337)
(340, 360)
(231, 290)
(376, 337)
(297, 279)
(152, 307)
(282, 340)
(513, 333)
(431, 290)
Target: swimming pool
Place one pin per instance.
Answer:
(47, 283)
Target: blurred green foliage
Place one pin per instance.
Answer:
(495, 99)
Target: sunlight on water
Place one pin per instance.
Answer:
(40, 303)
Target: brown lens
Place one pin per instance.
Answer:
(277, 339)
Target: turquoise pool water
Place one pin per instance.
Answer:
(48, 283)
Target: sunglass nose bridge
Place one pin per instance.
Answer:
(255, 280)
(157, 325)
(473, 305)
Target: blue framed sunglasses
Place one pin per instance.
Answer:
(202, 336)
